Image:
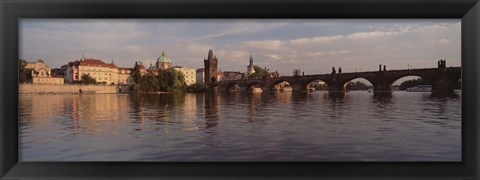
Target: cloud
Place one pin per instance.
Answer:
(373, 34)
(266, 44)
(320, 54)
(320, 39)
(440, 41)
(280, 45)
(241, 28)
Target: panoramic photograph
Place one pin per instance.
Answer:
(240, 90)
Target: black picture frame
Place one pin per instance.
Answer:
(12, 11)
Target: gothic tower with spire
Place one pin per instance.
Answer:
(250, 69)
(210, 68)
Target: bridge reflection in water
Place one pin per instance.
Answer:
(241, 126)
(442, 79)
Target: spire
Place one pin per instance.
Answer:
(163, 53)
(210, 54)
(83, 57)
(251, 60)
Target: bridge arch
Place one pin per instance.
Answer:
(280, 85)
(232, 86)
(397, 81)
(250, 87)
(358, 84)
(316, 84)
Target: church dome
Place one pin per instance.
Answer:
(164, 58)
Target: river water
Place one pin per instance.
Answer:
(316, 126)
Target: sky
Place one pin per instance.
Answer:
(314, 46)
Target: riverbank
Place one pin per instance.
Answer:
(66, 89)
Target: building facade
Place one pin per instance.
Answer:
(39, 68)
(200, 75)
(41, 73)
(124, 76)
(97, 69)
(190, 74)
(210, 68)
(232, 75)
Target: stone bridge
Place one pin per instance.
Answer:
(442, 79)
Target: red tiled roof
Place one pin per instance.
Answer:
(91, 62)
(96, 62)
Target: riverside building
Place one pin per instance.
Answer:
(189, 73)
(41, 73)
(97, 69)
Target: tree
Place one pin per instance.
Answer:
(413, 83)
(24, 74)
(259, 72)
(87, 79)
(197, 88)
(148, 83)
(171, 80)
(358, 85)
(136, 74)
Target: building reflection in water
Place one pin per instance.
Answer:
(40, 108)
(163, 110)
(254, 102)
(92, 113)
(96, 113)
(211, 109)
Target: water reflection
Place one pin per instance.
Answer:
(265, 126)
(211, 110)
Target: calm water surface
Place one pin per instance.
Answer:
(358, 126)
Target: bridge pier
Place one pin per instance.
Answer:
(382, 88)
(299, 87)
(442, 86)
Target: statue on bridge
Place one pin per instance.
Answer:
(333, 70)
(442, 63)
(339, 70)
(384, 68)
(379, 67)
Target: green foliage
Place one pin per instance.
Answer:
(413, 83)
(148, 83)
(87, 79)
(259, 72)
(197, 88)
(136, 74)
(134, 87)
(357, 86)
(320, 87)
(24, 74)
(171, 80)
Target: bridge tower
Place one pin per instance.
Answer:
(445, 78)
(210, 65)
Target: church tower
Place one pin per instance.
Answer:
(210, 68)
(250, 69)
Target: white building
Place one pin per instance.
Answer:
(200, 75)
(41, 73)
(97, 69)
(190, 74)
